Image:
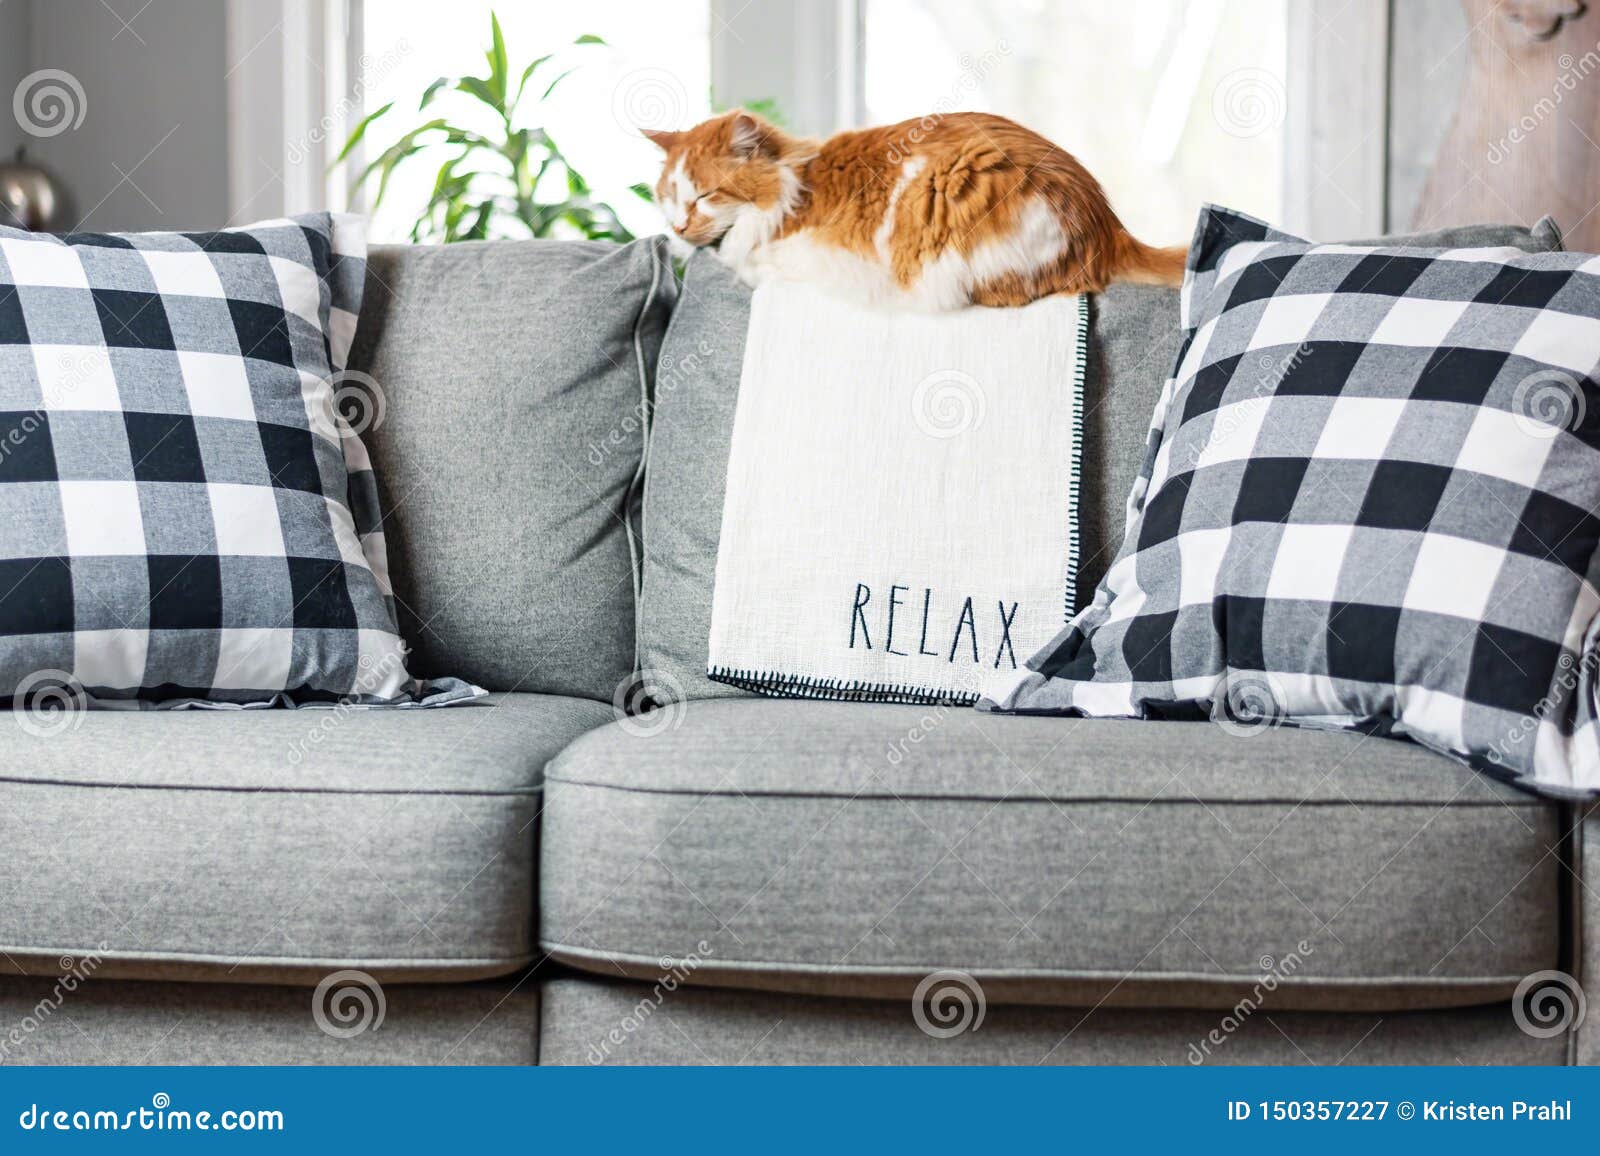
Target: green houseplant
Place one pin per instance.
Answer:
(508, 181)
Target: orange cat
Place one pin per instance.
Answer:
(964, 209)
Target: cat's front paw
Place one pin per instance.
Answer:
(749, 272)
(679, 249)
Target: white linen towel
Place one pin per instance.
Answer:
(901, 510)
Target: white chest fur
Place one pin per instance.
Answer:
(756, 256)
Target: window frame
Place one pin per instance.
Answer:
(295, 89)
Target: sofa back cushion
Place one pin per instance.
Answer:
(1133, 342)
(508, 441)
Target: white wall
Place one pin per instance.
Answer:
(151, 151)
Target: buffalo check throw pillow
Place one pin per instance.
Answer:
(1369, 501)
(185, 514)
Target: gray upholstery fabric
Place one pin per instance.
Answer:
(1133, 342)
(1543, 236)
(113, 1022)
(851, 850)
(279, 845)
(588, 1022)
(513, 376)
(696, 389)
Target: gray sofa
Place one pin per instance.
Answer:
(543, 877)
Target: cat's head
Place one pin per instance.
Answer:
(725, 168)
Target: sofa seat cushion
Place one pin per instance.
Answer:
(278, 845)
(852, 850)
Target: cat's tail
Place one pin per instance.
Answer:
(1144, 264)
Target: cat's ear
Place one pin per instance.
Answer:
(663, 138)
(747, 135)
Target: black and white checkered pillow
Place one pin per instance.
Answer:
(1368, 502)
(185, 513)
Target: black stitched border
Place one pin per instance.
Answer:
(1080, 368)
(776, 684)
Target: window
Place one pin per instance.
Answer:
(1268, 106)
(654, 72)
(1168, 103)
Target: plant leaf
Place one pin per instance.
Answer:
(499, 71)
(431, 91)
(483, 90)
(360, 131)
(557, 81)
(527, 73)
(644, 192)
(479, 229)
(487, 184)
(406, 146)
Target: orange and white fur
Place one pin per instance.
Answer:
(932, 214)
